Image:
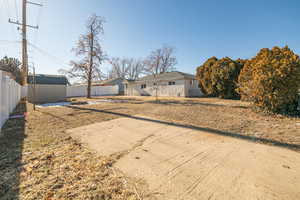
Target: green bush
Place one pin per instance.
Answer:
(220, 77)
(271, 80)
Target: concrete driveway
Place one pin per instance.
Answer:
(179, 162)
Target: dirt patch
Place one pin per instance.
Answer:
(183, 163)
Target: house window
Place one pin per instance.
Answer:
(172, 83)
(143, 86)
(193, 82)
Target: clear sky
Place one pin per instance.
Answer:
(198, 29)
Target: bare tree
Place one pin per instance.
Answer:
(91, 53)
(160, 61)
(168, 60)
(119, 68)
(135, 68)
(128, 68)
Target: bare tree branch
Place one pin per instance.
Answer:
(160, 61)
(92, 55)
(128, 68)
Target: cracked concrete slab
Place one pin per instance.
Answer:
(182, 163)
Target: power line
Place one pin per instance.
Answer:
(24, 38)
(7, 11)
(17, 10)
(38, 21)
(10, 41)
(7, 7)
(44, 52)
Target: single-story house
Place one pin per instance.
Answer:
(173, 84)
(48, 88)
(108, 82)
(112, 82)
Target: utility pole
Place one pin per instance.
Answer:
(24, 38)
(24, 44)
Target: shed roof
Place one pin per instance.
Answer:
(46, 79)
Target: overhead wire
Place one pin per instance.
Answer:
(10, 41)
(49, 55)
(38, 21)
(5, 6)
(8, 12)
(17, 11)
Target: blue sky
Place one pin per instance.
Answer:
(198, 29)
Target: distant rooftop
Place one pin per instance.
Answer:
(175, 75)
(109, 81)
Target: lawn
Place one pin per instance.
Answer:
(39, 160)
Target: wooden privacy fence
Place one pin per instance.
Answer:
(10, 95)
(81, 91)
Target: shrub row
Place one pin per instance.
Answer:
(271, 80)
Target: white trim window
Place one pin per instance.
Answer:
(193, 83)
(171, 83)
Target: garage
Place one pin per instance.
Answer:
(43, 88)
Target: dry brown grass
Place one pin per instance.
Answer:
(232, 116)
(38, 160)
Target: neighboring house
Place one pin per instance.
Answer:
(173, 84)
(112, 82)
(48, 88)
(109, 82)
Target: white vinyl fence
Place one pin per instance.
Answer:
(162, 90)
(81, 91)
(24, 91)
(10, 95)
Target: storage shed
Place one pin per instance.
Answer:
(48, 88)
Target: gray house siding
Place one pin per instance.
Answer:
(111, 82)
(163, 89)
(173, 84)
(119, 82)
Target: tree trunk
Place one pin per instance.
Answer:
(91, 65)
(156, 86)
(89, 87)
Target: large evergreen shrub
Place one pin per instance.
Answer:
(220, 77)
(204, 76)
(271, 80)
